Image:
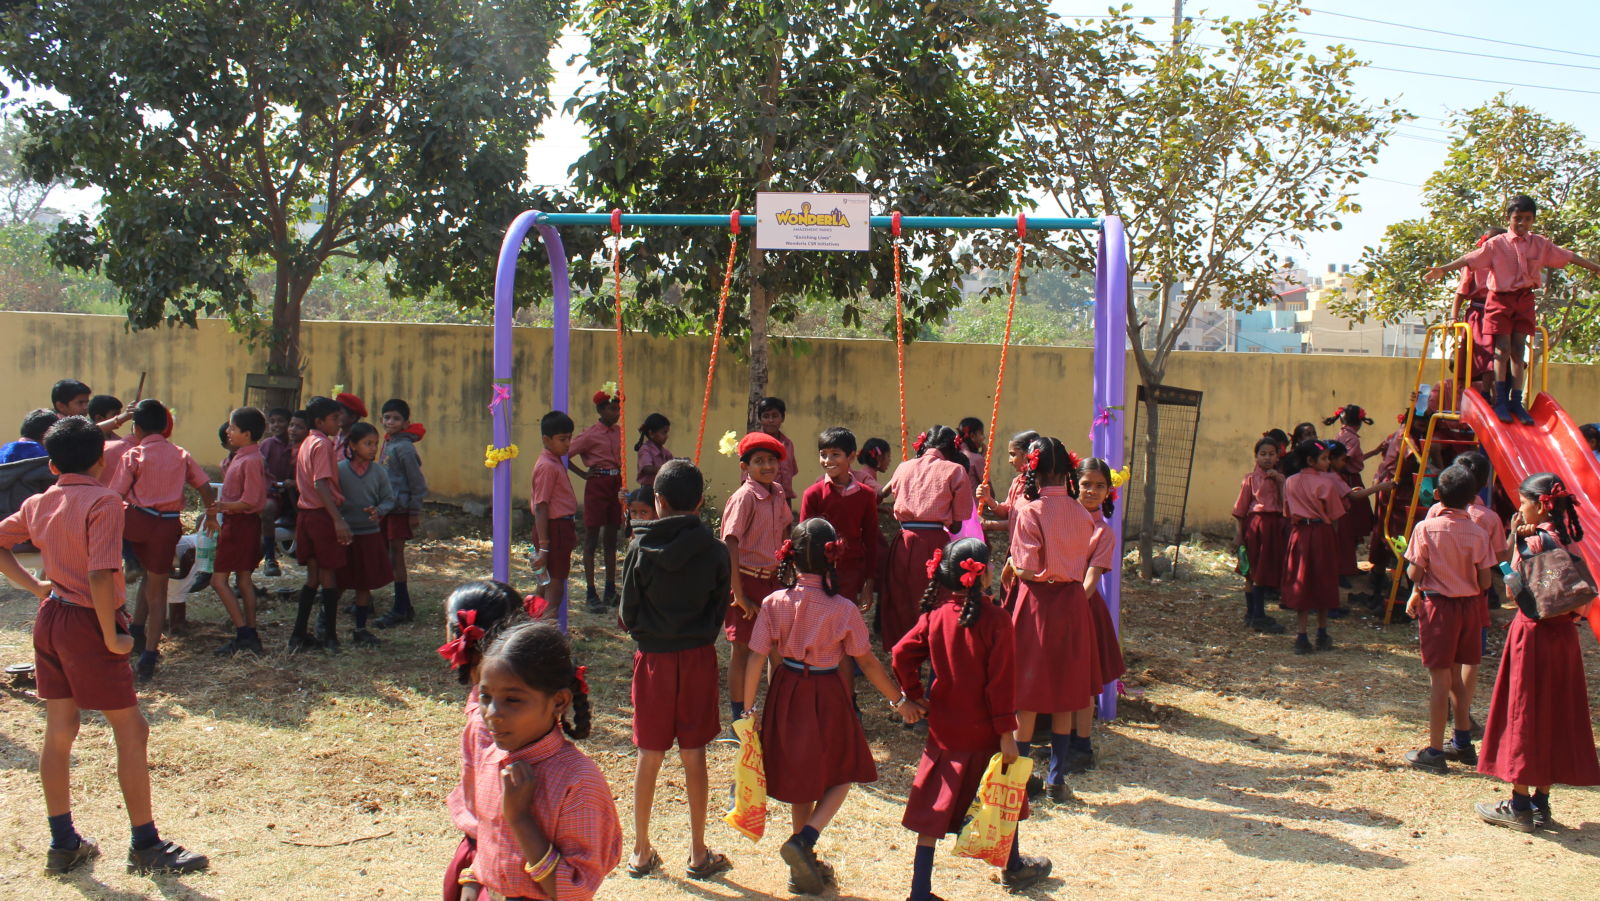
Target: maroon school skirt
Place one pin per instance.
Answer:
(811, 739)
(1311, 567)
(946, 783)
(238, 544)
(734, 625)
(674, 696)
(1356, 523)
(1265, 537)
(1108, 647)
(1058, 657)
(901, 598)
(1538, 731)
(397, 527)
(849, 577)
(367, 564)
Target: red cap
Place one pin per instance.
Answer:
(755, 441)
(352, 403)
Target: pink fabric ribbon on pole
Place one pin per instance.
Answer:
(502, 393)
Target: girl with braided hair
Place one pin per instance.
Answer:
(1356, 524)
(812, 743)
(971, 705)
(1098, 496)
(932, 494)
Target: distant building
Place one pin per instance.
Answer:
(1325, 332)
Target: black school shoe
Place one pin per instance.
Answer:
(166, 857)
(1428, 760)
(1266, 625)
(1465, 754)
(805, 870)
(1324, 642)
(298, 643)
(1542, 818)
(1060, 793)
(62, 860)
(145, 670)
(361, 638)
(1501, 813)
(1029, 872)
(393, 618)
(592, 602)
(1302, 644)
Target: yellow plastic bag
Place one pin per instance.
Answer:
(749, 813)
(991, 824)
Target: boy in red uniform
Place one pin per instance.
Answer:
(1449, 561)
(755, 521)
(244, 495)
(277, 456)
(80, 646)
(770, 414)
(321, 536)
(1515, 262)
(851, 508)
(70, 397)
(151, 481)
(553, 506)
(599, 445)
(675, 584)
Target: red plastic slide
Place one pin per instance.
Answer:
(1551, 444)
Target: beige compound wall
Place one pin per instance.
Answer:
(443, 371)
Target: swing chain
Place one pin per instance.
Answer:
(900, 339)
(1005, 347)
(716, 334)
(622, 403)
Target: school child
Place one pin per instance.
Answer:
(770, 414)
(70, 397)
(1538, 732)
(547, 826)
(998, 514)
(1488, 520)
(410, 488)
(641, 506)
(554, 507)
(675, 584)
(1280, 438)
(321, 537)
(81, 646)
(1449, 561)
(110, 414)
(651, 448)
(1472, 293)
(812, 743)
(30, 440)
(151, 484)
(1338, 454)
(1356, 524)
(475, 614)
(1099, 498)
(1058, 659)
(368, 499)
(931, 494)
(244, 494)
(755, 520)
(970, 438)
(353, 410)
(874, 460)
(1314, 499)
(599, 445)
(1260, 530)
(1591, 435)
(968, 642)
(1515, 264)
(851, 509)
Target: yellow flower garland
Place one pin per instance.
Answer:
(494, 456)
(729, 445)
(1119, 477)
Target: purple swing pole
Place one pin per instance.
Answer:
(1110, 361)
(504, 290)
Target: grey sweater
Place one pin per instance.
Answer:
(361, 492)
(405, 472)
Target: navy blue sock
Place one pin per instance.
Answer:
(1541, 801)
(146, 836)
(737, 708)
(361, 616)
(922, 874)
(402, 597)
(1015, 860)
(149, 657)
(66, 838)
(1082, 743)
(808, 836)
(1322, 633)
(1060, 747)
(1025, 748)
(1521, 802)
(1463, 738)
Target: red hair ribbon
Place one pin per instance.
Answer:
(1557, 492)
(832, 550)
(583, 681)
(1339, 413)
(922, 439)
(1074, 460)
(1114, 494)
(455, 650)
(1482, 240)
(1400, 418)
(973, 569)
(934, 561)
(1033, 460)
(785, 551)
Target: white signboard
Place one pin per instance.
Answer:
(812, 221)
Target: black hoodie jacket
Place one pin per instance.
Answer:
(675, 585)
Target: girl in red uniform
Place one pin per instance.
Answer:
(1058, 662)
(932, 493)
(812, 744)
(1001, 515)
(1262, 534)
(972, 707)
(969, 439)
(1310, 558)
(1356, 524)
(1099, 498)
(874, 461)
(1538, 731)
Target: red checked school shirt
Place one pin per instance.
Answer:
(77, 526)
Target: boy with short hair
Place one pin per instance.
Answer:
(1515, 262)
(70, 397)
(770, 414)
(244, 495)
(755, 522)
(1449, 560)
(151, 482)
(277, 457)
(30, 440)
(851, 508)
(321, 536)
(600, 445)
(404, 467)
(81, 648)
(675, 584)
(554, 505)
(107, 411)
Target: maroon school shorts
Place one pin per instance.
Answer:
(1449, 630)
(756, 589)
(315, 540)
(601, 506)
(154, 539)
(1509, 313)
(366, 563)
(397, 527)
(239, 543)
(563, 540)
(675, 698)
(71, 661)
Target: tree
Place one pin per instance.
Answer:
(242, 131)
(1212, 154)
(21, 198)
(1503, 149)
(699, 106)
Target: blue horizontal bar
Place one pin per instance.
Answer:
(748, 220)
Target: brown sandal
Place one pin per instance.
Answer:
(713, 864)
(651, 864)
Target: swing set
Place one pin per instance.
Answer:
(1110, 329)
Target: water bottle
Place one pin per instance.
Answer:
(541, 571)
(1424, 392)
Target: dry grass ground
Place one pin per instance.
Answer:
(1240, 771)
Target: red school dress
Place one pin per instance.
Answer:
(1357, 523)
(1108, 645)
(930, 493)
(1260, 508)
(1538, 732)
(1058, 660)
(1314, 501)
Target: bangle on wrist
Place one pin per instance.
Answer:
(895, 704)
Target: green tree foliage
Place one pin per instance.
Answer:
(231, 134)
(21, 197)
(697, 106)
(30, 282)
(1213, 148)
(1503, 149)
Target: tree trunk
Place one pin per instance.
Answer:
(760, 294)
(1152, 437)
(284, 358)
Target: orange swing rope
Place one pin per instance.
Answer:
(622, 403)
(900, 341)
(716, 334)
(1005, 347)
